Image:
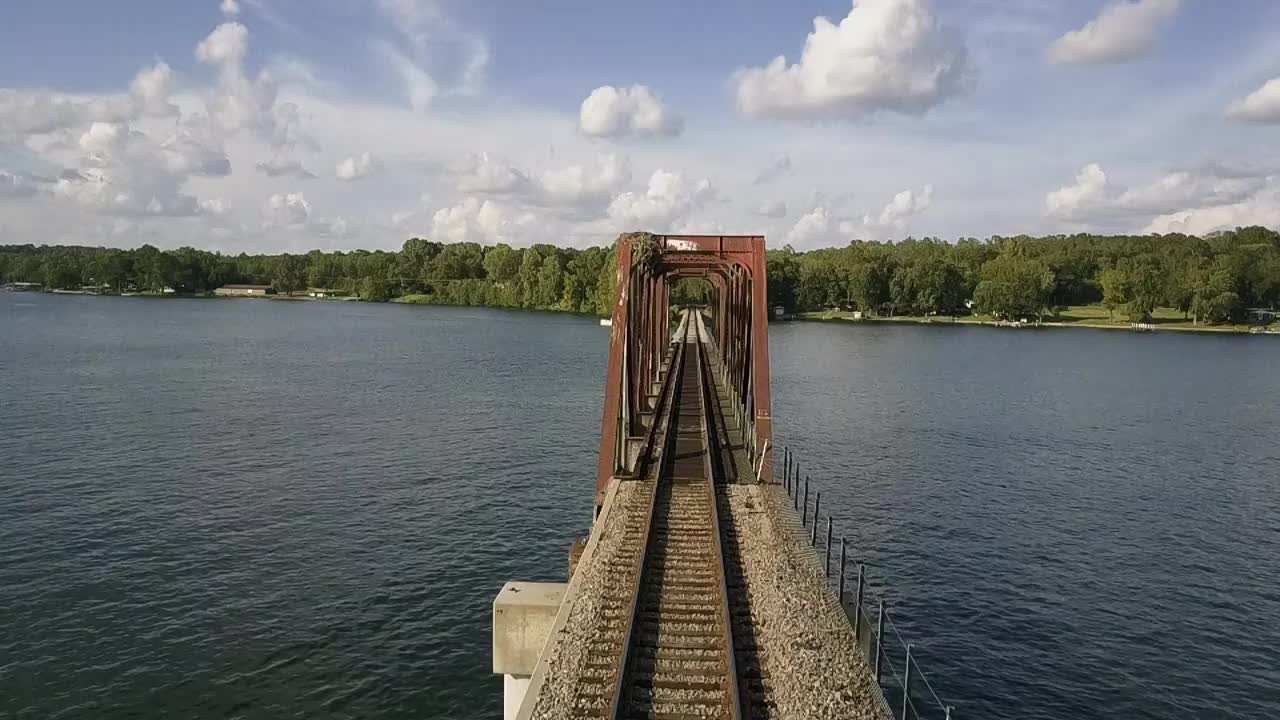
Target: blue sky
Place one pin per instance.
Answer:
(263, 125)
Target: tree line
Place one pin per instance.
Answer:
(541, 276)
(1215, 278)
(1211, 279)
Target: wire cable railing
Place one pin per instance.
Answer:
(904, 690)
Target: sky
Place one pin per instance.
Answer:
(287, 125)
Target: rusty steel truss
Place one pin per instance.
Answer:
(648, 266)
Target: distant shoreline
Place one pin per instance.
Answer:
(1080, 317)
(1158, 326)
(411, 299)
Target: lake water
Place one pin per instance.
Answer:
(214, 509)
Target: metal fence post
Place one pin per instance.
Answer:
(826, 565)
(906, 684)
(786, 465)
(857, 601)
(879, 639)
(804, 512)
(842, 582)
(813, 532)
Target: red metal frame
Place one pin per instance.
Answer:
(638, 341)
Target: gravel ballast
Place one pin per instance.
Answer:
(567, 661)
(804, 642)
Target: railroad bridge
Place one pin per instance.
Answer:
(704, 589)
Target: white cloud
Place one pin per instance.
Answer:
(820, 226)
(487, 175)
(217, 207)
(580, 190)
(1124, 30)
(700, 227)
(587, 184)
(278, 167)
(420, 89)
(430, 37)
(668, 198)
(814, 228)
(24, 113)
(1196, 201)
(17, 185)
(1067, 202)
(1178, 190)
(237, 102)
(151, 89)
(287, 210)
(126, 172)
(615, 112)
(185, 154)
(408, 218)
(292, 211)
(337, 227)
(475, 67)
(904, 206)
(776, 169)
(1263, 208)
(484, 221)
(1260, 106)
(202, 176)
(230, 8)
(776, 209)
(357, 167)
(411, 16)
(225, 46)
(884, 55)
(1093, 199)
(285, 128)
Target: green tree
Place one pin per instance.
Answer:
(784, 277)
(459, 261)
(606, 284)
(373, 289)
(1116, 292)
(530, 268)
(1014, 287)
(111, 268)
(550, 282)
(62, 272)
(869, 283)
(502, 263)
(289, 274)
(154, 270)
(415, 260)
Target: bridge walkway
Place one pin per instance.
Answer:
(794, 649)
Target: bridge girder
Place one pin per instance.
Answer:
(648, 265)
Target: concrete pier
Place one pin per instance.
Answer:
(523, 615)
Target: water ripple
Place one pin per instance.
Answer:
(1065, 532)
(249, 510)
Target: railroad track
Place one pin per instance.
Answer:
(668, 649)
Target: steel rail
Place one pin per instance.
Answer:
(719, 425)
(709, 399)
(671, 408)
(658, 551)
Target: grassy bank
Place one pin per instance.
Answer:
(420, 299)
(1090, 316)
